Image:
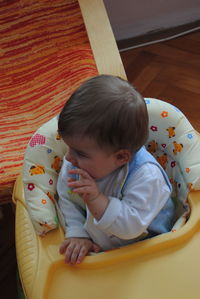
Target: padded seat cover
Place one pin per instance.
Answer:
(172, 140)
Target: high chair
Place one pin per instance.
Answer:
(147, 269)
(161, 267)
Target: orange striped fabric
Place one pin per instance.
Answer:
(44, 55)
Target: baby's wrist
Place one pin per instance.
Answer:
(94, 198)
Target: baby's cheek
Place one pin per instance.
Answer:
(90, 171)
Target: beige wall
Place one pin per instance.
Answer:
(130, 18)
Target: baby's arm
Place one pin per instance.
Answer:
(143, 198)
(77, 243)
(144, 195)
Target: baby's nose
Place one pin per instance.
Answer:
(69, 157)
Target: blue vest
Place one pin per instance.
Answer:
(163, 222)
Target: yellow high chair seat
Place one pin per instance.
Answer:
(147, 269)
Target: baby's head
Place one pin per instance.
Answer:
(109, 110)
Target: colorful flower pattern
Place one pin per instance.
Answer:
(174, 148)
(37, 139)
(31, 186)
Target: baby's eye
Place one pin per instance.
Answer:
(81, 154)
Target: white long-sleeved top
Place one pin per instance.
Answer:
(128, 214)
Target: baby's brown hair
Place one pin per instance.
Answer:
(109, 110)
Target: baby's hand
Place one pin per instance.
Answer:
(85, 186)
(75, 249)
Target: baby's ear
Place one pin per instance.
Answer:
(123, 156)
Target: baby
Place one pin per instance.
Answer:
(112, 192)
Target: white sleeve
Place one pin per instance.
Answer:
(74, 214)
(144, 196)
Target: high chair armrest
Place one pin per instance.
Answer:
(18, 191)
(33, 252)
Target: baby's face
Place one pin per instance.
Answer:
(85, 153)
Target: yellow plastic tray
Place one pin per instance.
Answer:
(167, 266)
